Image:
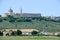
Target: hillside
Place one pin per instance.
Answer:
(42, 25)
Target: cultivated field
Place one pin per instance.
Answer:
(29, 38)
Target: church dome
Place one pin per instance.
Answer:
(10, 10)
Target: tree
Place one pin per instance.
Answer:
(33, 18)
(7, 34)
(5, 18)
(1, 33)
(58, 35)
(12, 33)
(0, 15)
(19, 19)
(28, 20)
(11, 18)
(19, 32)
(1, 19)
(34, 32)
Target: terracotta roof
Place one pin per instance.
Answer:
(23, 30)
(28, 30)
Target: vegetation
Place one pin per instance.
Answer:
(58, 35)
(40, 23)
(13, 33)
(1, 33)
(34, 33)
(29, 38)
(19, 32)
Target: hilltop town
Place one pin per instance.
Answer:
(11, 21)
(21, 14)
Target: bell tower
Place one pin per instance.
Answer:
(21, 12)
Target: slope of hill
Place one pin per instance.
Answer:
(42, 24)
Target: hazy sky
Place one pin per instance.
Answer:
(45, 7)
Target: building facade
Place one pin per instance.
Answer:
(10, 12)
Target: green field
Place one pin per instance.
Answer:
(29, 38)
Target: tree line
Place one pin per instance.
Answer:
(25, 19)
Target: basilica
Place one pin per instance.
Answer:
(21, 14)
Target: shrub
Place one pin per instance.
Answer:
(58, 35)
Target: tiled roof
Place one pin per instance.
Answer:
(23, 30)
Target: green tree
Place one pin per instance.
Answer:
(10, 18)
(34, 32)
(19, 32)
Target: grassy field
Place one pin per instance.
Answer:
(29, 38)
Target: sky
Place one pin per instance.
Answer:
(45, 7)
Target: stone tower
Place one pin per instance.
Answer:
(21, 12)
